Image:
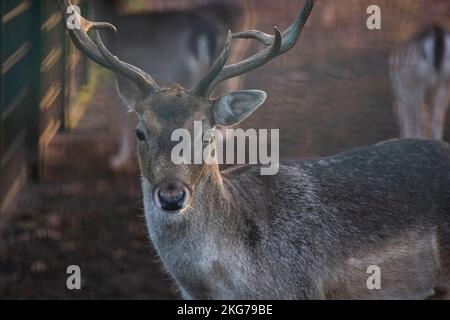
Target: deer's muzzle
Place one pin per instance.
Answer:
(171, 195)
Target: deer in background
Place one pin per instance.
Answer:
(310, 232)
(420, 78)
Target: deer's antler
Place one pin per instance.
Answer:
(275, 45)
(97, 51)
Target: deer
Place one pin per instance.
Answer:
(313, 230)
(420, 80)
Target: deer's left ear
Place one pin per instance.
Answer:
(233, 108)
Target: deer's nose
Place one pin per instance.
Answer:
(171, 195)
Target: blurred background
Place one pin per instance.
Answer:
(69, 184)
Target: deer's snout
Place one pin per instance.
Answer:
(171, 195)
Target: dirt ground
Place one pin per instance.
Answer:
(331, 93)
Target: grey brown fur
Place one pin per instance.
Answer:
(311, 231)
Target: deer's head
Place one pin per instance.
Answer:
(163, 110)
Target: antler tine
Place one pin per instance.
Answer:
(291, 34)
(100, 54)
(275, 45)
(254, 61)
(205, 82)
(263, 37)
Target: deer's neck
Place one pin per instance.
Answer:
(203, 239)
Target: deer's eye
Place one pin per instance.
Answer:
(140, 134)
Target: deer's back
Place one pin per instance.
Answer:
(330, 219)
(393, 180)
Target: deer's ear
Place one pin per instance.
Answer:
(128, 91)
(233, 108)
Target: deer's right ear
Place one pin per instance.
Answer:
(233, 108)
(128, 91)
